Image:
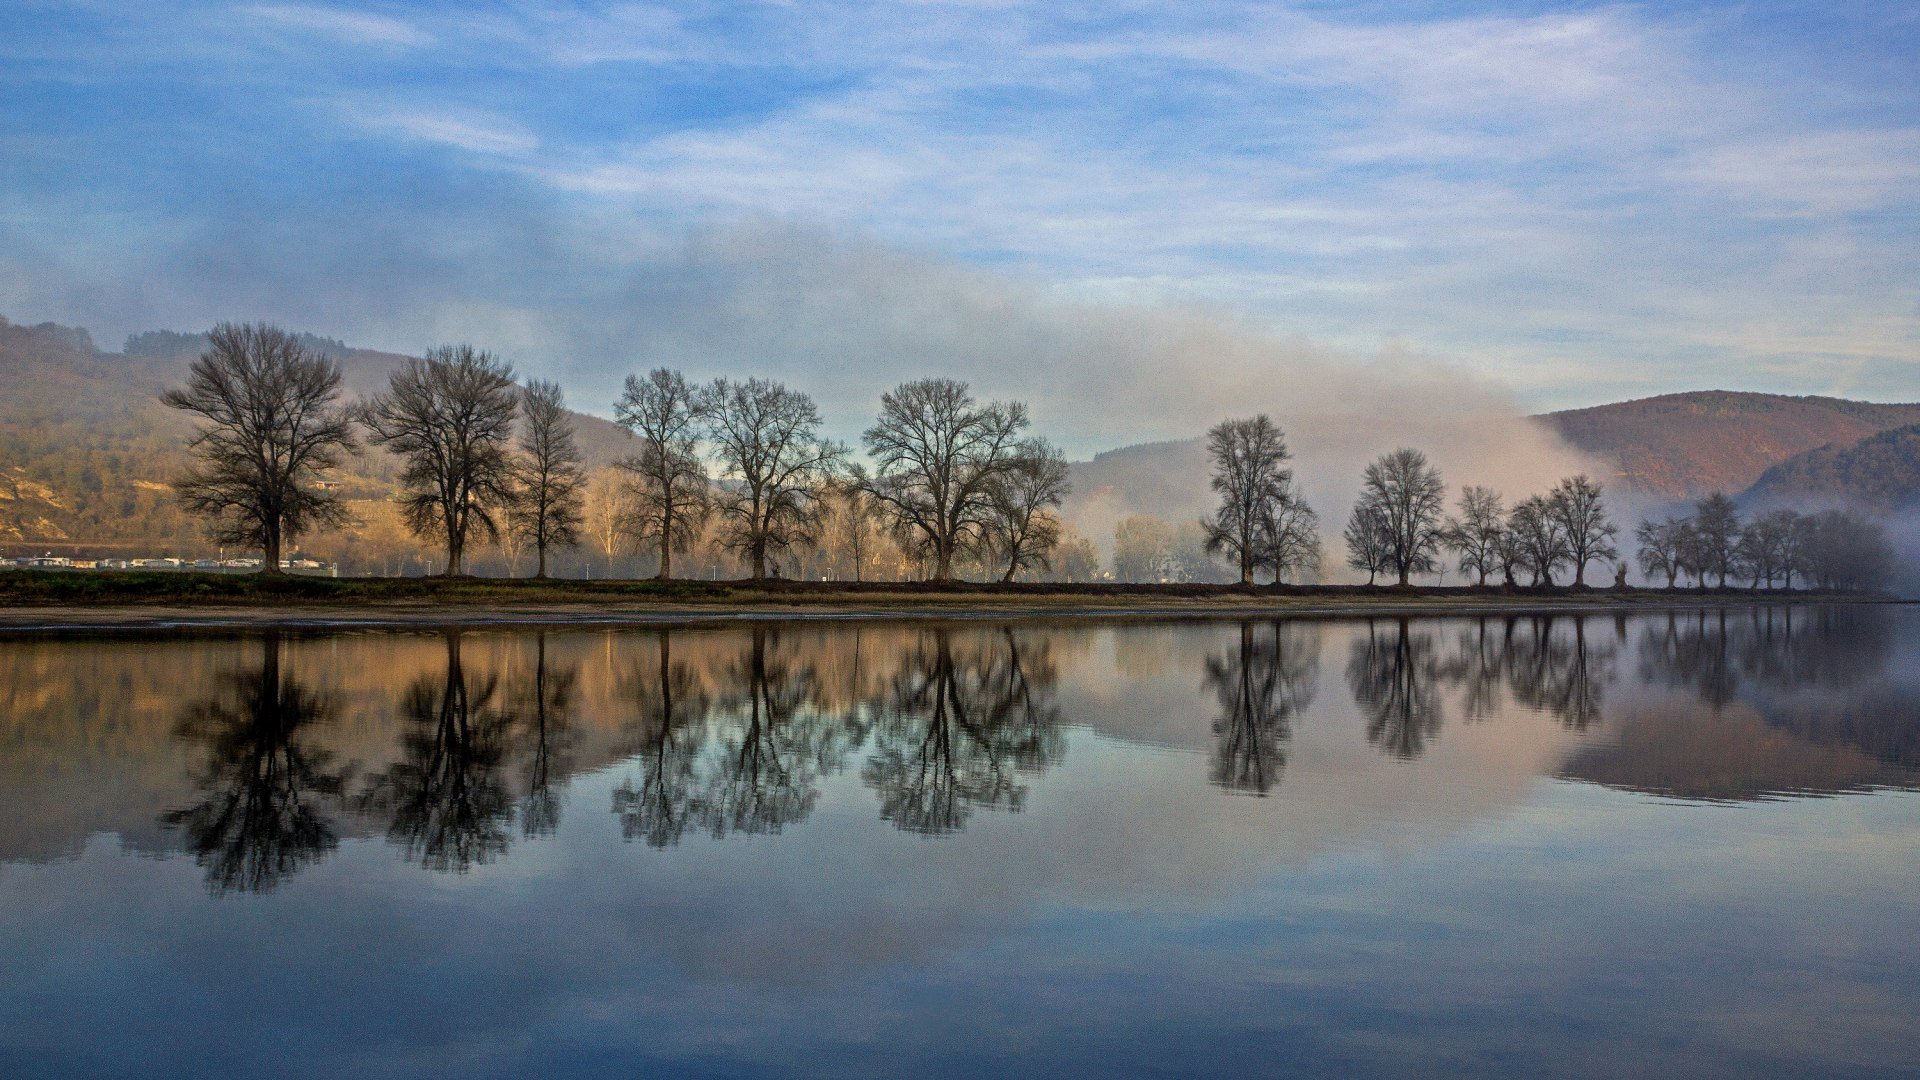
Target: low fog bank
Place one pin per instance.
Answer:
(845, 321)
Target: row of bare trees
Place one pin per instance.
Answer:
(1831, 549)
(1399, 526)
(951, 476)
(276, 424)
(951, 479)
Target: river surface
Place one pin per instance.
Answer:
(1672, 844)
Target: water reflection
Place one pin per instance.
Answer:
(1261, 685)
(966, 719)
(447, 799)
(545, 698)
(1395, 674)
(741, 732)
(1458, 837)
(263, 781)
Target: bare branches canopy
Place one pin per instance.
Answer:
(1021, 525)
(1261, 521)
(767, 440)
(936, 454)
(669, 491)
(1477, 533)
(450, 418)
(273, 426)
(1404, 496)
(548, 501)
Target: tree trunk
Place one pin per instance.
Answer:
(454, 557)
(540, 567)
(943, 560)
(1579, 574)
(666, 550)
(270, 551)
(1403, 575)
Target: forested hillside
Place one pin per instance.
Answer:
(1685, 446)
(1881, 472)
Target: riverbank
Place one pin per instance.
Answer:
(33, 601)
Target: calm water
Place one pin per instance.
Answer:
(1656, 845)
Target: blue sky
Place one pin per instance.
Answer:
(1572, 202)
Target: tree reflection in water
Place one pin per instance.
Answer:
(1563, 675)
(1394, 676)
(1261, 686)
(1819, 673)
(966, 718)
(773, 744)
(446, 799)
(259, 821)
(671, 702)
(546, 701)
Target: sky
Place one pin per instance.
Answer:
(1560, 204)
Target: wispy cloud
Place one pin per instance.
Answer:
(1576, 200)
(477, 134)
(341, 24)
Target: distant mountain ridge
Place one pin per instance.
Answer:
(1686, 446)
(1880, 472)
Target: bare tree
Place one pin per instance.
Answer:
(1408, 495)
(856, 519)
(274, 425)
(547, 509)
(1021, 522)
(1716, 529)
(670, 490)
(1290, 538)
(1366, 537)
(450, 418)
(1576, 504)
(609, 513)
(1848, 552)
(1477, 532)
(1251, 477)
(767, 438)
(1541, 538)
(936, 452)
(1663, 548)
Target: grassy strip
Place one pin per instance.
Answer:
(173, 587)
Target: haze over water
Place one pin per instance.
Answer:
(1651, 844)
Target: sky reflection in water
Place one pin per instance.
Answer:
(1545, 846)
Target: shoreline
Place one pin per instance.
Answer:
(172, 615)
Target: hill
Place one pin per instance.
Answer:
(1880, 472)
(1684, 446)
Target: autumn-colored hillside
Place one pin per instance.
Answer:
(1684, 446)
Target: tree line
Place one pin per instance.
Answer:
(485, 458)
(1399, 526)
(1832, 549)
(948, 480)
